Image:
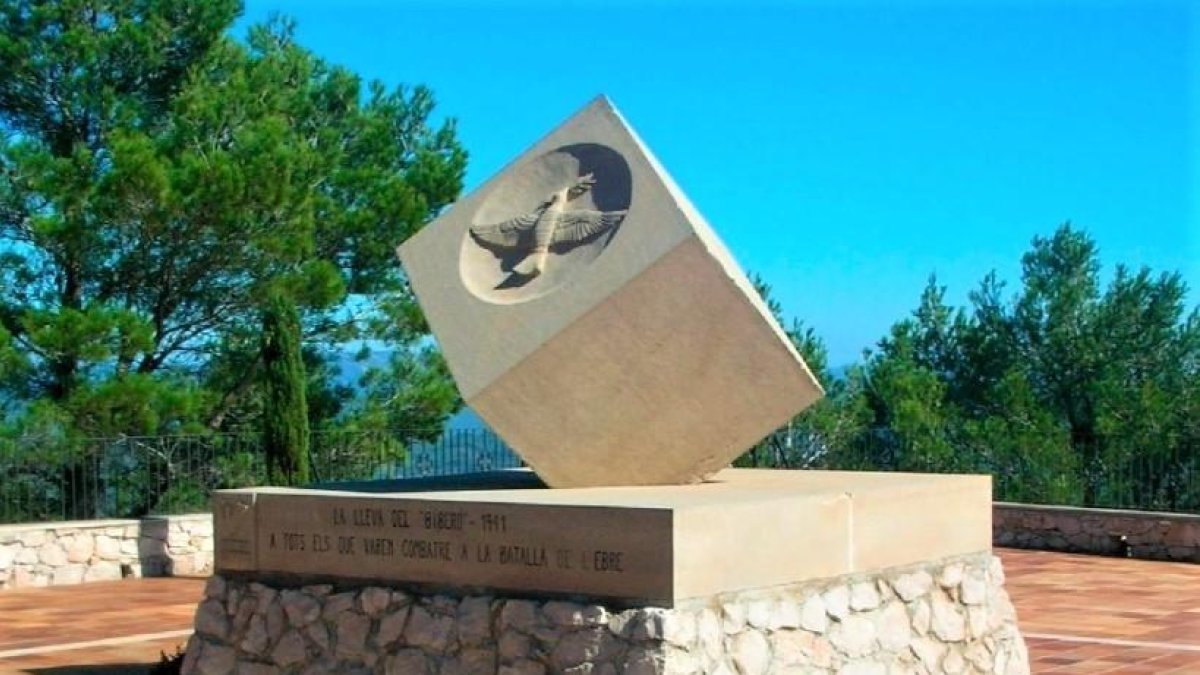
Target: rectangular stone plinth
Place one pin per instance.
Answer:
(743, 530)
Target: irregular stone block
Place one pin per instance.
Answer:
(854, 636)
(751, 653)
(301, 609)
(837, 601)
(374, 600)
(893, 627)
(108, 548)
(69, 574)
(473, 662)
(513, 646)
(52, 554)
(518, 615)
(432, 633)
(475, 621)
(813, 617)
(863, 596)
(352, 631)
(104, 570)
(33, 538)
(391, 627)
(216, 660)
(211, 620)
(290, 650)
(579, 647)
(257, 638)
(947, 622)
(524, 667)
(80, 547)
(319, 634)
(912, 586)
(407, 662)
(787, 615)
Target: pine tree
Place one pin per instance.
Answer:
(158, 178)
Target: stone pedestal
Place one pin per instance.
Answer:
(753, 572)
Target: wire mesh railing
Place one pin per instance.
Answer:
(1154, 479)
(46, 479)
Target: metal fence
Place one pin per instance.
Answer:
(46, 479)
(1145, 479)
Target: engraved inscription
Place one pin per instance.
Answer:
(233, 522)
(233, 545)
(436, 520)
(534, 547)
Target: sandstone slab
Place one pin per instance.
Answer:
(636, 543)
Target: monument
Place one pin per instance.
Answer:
(594, 320)
(592, 317)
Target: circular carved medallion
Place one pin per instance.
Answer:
(545, 223)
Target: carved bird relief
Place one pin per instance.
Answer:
(551, 225)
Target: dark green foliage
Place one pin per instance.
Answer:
(285, 407)
(79, 78)
(834, 421)
(160, 179)
(1067, 392)
(407, 394)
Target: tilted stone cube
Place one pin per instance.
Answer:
(593, 319)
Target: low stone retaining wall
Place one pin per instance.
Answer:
(952, 616)
(1136, 534)
(46, 554)
(43, 554)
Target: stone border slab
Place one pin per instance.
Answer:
(73, 552)
(1136, 534)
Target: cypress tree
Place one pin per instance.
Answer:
(285, 407)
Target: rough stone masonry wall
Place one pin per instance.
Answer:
(53, 554)
(948, 617)
(1137, 534)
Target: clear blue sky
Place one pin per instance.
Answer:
(844, 151)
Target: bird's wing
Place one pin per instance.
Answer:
(512, 233)
(575, 227)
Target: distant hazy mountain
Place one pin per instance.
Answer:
(465, 419)
(349, 369)
(840, 372)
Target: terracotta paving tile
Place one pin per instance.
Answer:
(130, 659)
(1108, 600)
(44, 617)
(47, 616)
(1081, 614)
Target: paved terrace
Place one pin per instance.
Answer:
(1080, 614)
